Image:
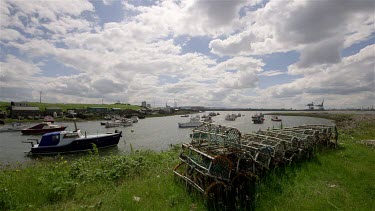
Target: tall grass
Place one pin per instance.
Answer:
(335, 179)
(141, 180)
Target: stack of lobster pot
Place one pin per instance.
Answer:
(209, 160)
(220, 160)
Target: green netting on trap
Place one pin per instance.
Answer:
(216, 134)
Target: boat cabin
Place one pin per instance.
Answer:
(63, 137)
(44, 125)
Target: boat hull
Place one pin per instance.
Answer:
(257, 120)
(79, 145)
(182, 125)
(276, 120)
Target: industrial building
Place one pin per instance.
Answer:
(23, 111)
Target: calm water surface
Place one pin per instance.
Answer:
(150, 133)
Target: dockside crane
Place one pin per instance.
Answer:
(320, 106)
(311, 106)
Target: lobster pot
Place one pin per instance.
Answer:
(306, 142)
(314, 133)
(211, 134)
(292, 143)
(326, 132)
(200, 169)
(248, 166)
(276, 146)
(260, 153)
(279, 149)
(216, 166)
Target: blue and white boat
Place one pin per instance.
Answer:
(71, 141)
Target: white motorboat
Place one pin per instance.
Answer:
(194, 122)
(115, 123)
(126, 122)
(134, 119)
(15, 126)
(231, 117)
(71, 141)
(208, 119)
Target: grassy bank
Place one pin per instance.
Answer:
(340, 178)
(139, 181)
(335, 179)
(68, 106)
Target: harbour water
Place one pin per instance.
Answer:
(156, 133)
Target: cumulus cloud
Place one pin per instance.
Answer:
(318, 29)
(354, 76)
(324, 52)
(16, 72)
(240, 72)
(190, 17)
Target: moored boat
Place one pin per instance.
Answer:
(44, 127)
(257, 119)
(212, 114)
(15, 126)
(71, 141)
(194, 122)
(115, 123)
(275, 119)
(134, 119)
(48, 119)
(231, 117)
(126, 122)
(208, 119)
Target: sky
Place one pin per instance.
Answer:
(217, 53)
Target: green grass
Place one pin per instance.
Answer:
(342, 179)
(110, 182)
(67, 106)
(4, 105)
(335, 179)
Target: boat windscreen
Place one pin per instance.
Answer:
(50, 140)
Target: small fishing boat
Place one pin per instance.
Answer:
(208, 119)
(134, 119)
(15, 126)
(118, 123)
(275, 119)
(48, 119)
(212, 114)
(115, 123)
(186, 115)
(107, 117)
(257, 119)
(44, 127)
(71, 141)
(126, 122)
(231, 117)
(194, 122)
